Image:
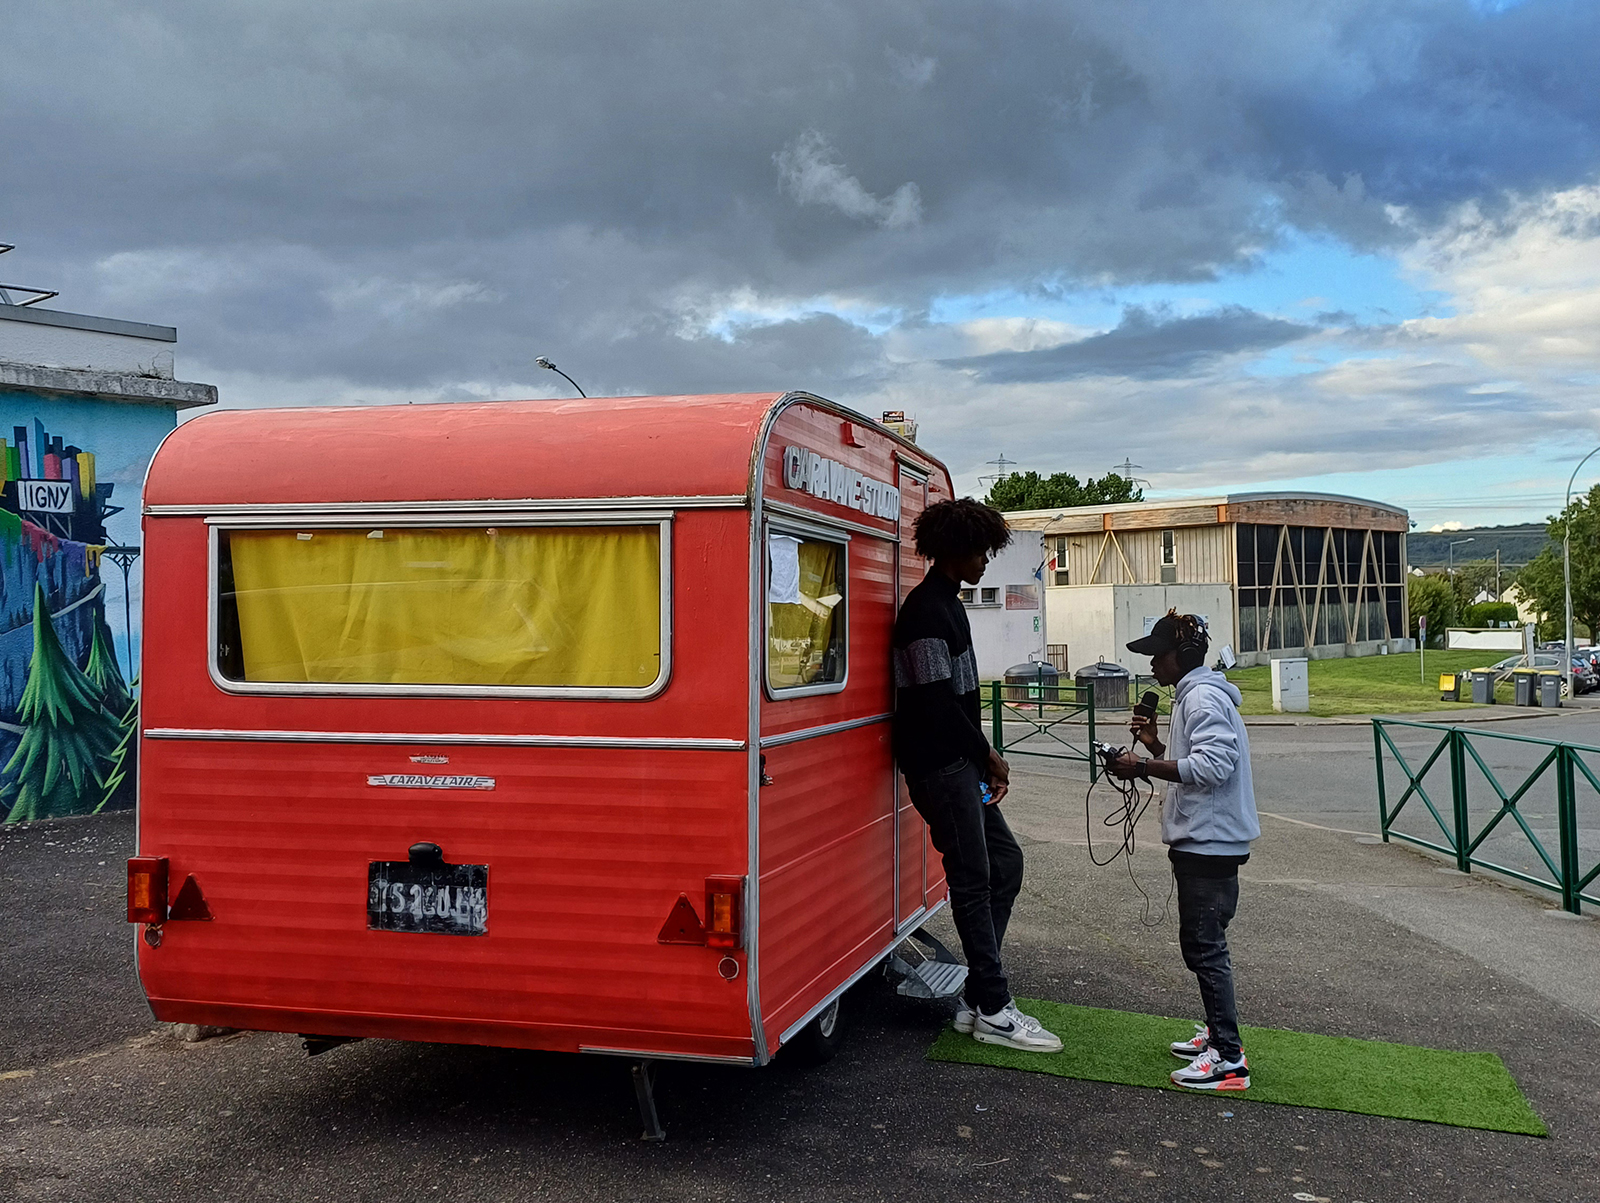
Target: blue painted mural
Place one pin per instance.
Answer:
(69, 600)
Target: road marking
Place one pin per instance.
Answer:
(1318, 826)
(16, 1073)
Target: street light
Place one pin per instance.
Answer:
(545, 363)
(1566, 570)
(1453, 547)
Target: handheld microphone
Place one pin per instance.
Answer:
(1147, 704)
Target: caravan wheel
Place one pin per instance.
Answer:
(820, 1039)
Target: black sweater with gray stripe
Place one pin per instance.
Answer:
(937, 719)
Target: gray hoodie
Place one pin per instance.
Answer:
(1211, 810)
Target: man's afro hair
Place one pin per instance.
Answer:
(965, 527)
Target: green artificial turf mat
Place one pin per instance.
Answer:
(1337, 1073)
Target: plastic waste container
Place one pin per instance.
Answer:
(1525, 687)
(1450, 686)
(1110, 684)
(1034, 681)
(1550, 689)
(1483, 686)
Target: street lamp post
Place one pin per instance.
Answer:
(545, 363)
(1566, 570)
(1453, 547)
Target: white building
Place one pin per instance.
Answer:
(1007, 608)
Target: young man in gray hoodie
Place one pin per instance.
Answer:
(1207, 823)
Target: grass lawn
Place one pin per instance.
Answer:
(1371, 684)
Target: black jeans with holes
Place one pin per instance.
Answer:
(1206, 904)
(983, 865)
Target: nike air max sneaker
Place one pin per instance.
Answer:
(1191, 1048)
(1013, 1029)
(1209, 1071)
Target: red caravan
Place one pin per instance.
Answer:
(547, 724)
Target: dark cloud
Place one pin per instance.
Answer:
(407, 195)
(1145, 346)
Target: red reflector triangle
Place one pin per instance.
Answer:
(682, 925)
(190, 902)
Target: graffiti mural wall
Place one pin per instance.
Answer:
(69, 599)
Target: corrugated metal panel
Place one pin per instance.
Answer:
(827, 859)
(587, 853)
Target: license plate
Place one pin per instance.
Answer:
(436, 898)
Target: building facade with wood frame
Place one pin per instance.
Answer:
(1274, 574)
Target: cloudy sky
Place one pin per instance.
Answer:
(1343, 245)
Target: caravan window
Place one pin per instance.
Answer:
(473, 609)
(806, 613)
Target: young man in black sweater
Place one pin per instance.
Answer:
(947, 762)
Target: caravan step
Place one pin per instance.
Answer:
(930, 979)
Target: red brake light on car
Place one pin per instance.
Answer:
(147, 889)
(724, 912)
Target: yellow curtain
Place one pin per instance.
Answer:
(529, 606)
(798, 636)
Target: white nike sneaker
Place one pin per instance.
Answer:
(1013, 1029)
(1191, 1048)
(966, 1017)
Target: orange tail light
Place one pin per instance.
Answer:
(724, 912)
(147, 889)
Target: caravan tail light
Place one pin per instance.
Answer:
(147, 889)
(724, 912)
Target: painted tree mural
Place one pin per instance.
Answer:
(56, 769)
(119, 704)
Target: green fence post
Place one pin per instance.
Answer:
(997, 724)
(1458, 796)
(1567, 825)
(1383, 795)
(1094, 761)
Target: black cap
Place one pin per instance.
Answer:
(1163, 637)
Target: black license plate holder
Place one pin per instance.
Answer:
(431, 898)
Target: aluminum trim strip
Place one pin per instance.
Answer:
(529, 505)
(794, 737)
(825, 520)
(647, 1055)
(660, 743)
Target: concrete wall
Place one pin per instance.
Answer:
(1009, 632)
(1096, 622)
(52, 339)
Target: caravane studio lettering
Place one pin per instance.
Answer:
(839, 483)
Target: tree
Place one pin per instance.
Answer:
(103, 672)
(1030, 491)
(1541, 581)
(1473, 578)
(116, 699)
(1486, 614)
(1431, 596)
(66, 733)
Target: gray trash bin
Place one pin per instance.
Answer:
(1110, 683)
(1483, 686)
(1033, 682)
(1525, 687)
(1550, 689)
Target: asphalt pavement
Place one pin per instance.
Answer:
(1334, 935)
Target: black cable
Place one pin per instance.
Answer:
(1127, 815)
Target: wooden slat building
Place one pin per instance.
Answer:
(1274, 573)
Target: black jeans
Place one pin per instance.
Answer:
(1205, 907)
(983, 865)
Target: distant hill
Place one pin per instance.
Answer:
(1517, 545)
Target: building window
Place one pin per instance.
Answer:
(1169, 549)
(990, 597)
(969, 597)
(806, 636)
(412, 610)
(1060, 572)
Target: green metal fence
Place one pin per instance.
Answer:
(1038, 719)
(1556, 766)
